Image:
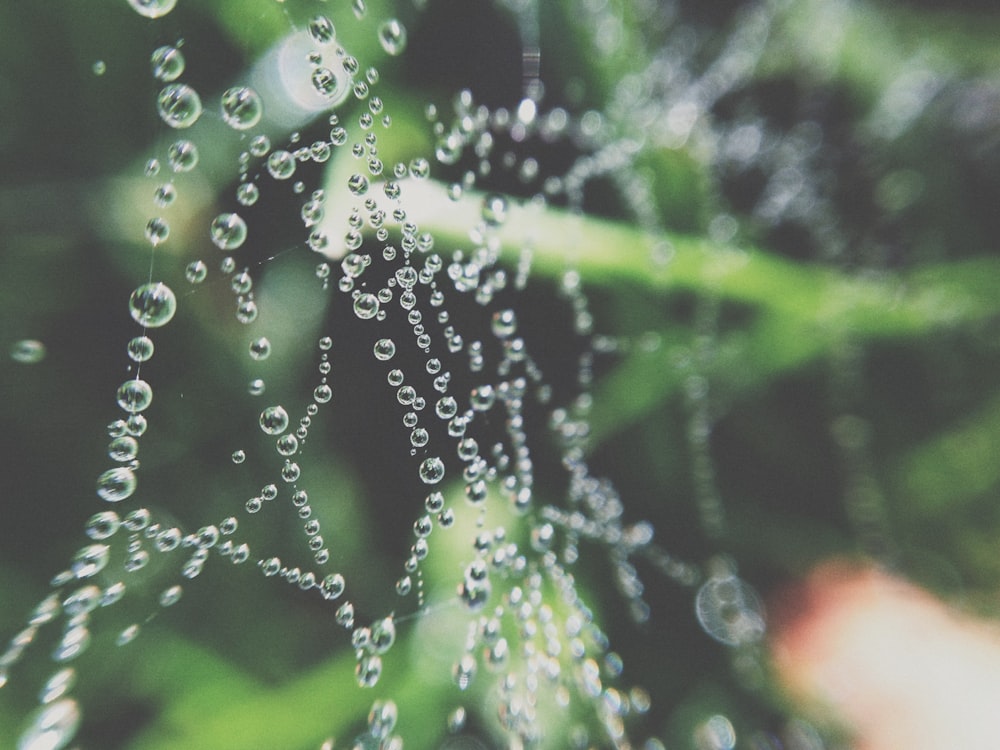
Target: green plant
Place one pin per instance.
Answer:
(686, 282)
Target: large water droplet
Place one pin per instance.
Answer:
(90, 560)
(274, 420)
(134, 395)
(228, 231)
(27, 351)
(152, 305)
(179, 105)
(182, 155)
(392, 37)
(366, 306)
(115, 485)
(241, 107)
(432, 470)
(384, 350)
(730, 611)
(52, 727)
(321, 29)
(152, 8)
(167, 63)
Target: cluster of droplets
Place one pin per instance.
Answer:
(527, 625)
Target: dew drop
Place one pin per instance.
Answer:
(179, 105)
(321, 29)
(384, 350)
(140, 349)
(281, 164)
(241, 107)
(117, 484)
(182, 156)
(730, 611)
(134, 395)
(52, 726)
(196, 272)
(274, 420)
(368, 670)
(157, 230)
(28, 351)
(90, 560)
(152, 8)
(167, 63)
(392, 37)
(432, 470)
(228, 231)
(152, 305)
(260, 349)
(366, 306)
(103, 525)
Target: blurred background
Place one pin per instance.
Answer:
(783, 217)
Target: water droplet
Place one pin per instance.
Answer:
(157, 230)
(57, 685)
(196, 272)
(247, 193)
(152, 305)
(134, 395)
(358, 184)
(28, 351)
(167, 63)
(170, 596)
(102, 525)
(321, 29)
(281, 164)
(329, 83)
(241, 107)
(152, 8)
(182, 155)
(179, 105)
(52, 726)
(494, 209)
(360, 8)
(274, 420)
(382, 719)
(368, 670)
(114, 485)
(140, 349)
(228, 231)
(392, 37)
(165, 195)
(90, 560)
(385, 349)
(366, 306)
(260, 348)
(730, 611)
(432, 470)
(383, 635)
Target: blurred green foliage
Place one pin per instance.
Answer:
(910, 332)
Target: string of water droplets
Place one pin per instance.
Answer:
(560, 649)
